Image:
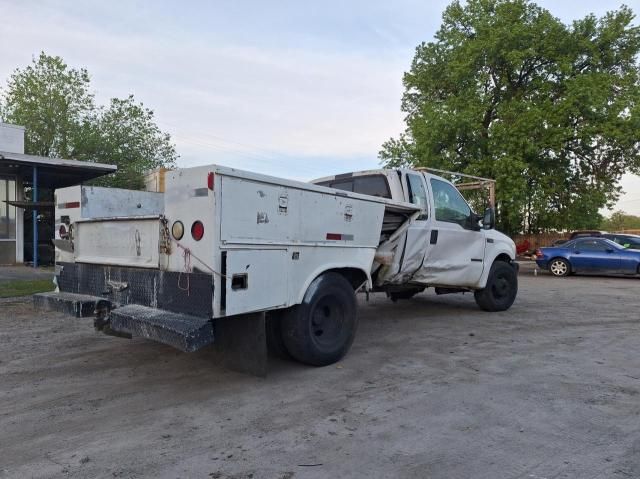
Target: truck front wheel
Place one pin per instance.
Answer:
(501, 289)
(321, 329)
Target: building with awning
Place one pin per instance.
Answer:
(27, 183)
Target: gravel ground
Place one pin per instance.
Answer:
(432, 388)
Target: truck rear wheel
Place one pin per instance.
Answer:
(501, 289)
(321, 329)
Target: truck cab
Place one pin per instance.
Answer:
(447, 246)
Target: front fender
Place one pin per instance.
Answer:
(499, 253)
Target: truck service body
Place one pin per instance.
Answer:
(222, 247)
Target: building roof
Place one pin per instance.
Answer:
(52, 172)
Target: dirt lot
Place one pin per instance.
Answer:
(433, 388)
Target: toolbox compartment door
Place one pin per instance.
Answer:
(255, 280)
(118, 241)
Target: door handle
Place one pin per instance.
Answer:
(576, 252)
(434, 237)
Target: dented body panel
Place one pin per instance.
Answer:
(436, 248)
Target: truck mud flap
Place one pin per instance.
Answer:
(242, 343)
(78, 305)
(184, 332)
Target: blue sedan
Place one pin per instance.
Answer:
(589, 255)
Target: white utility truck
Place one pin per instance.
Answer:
(253, 260)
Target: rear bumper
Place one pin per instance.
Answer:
(184, 332)
(542, 263)
(183, 293)
(116, 308)
(168, 307)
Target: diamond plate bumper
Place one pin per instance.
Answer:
(184, 332)
(78, 305)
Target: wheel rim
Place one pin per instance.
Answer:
(559, 268)
(327, 321)
(501, 287)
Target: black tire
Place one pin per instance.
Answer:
(321, 329)
(501, 289)
(275, 344)
(407, 294)
(559, 267)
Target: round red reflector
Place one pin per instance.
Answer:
(197, 230)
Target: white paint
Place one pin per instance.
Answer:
(123, 242)
(265, 290)
(274, 231)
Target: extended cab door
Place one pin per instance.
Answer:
(417, 235)
(455, 250)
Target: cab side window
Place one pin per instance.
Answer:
(449, 204)
(417, 194)
(591, 245)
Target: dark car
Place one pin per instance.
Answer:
(589, 255)
(586, 234)
(628, 241)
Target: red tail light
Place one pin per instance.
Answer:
(197, 230)
(210, 178)
(62, 231)
(539, 253)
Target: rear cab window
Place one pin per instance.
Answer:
(372, 185)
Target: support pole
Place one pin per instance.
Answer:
(34, 194)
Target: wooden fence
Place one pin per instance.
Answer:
(538, 240)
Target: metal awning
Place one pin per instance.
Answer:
(42, 172)
(52, 172)
(30, 205)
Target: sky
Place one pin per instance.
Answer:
(289, 88)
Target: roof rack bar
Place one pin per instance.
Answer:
(424, 168)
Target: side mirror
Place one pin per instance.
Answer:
(489, 219)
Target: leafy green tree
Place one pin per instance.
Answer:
(52, 101)
(550, 111)
(619, 221)
(55, 104)
(126, 134)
